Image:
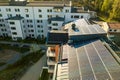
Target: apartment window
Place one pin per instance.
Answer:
(17, 10)
(38, 31)
(49, 16)
(55, 24)
(38, 21)
(27, 15)
(72, 16)
(41, 31)
(32, 30)
(18, 15)
(38, 26)
(115, 30)
(41, 21)
(0, 9)
(32, 35)
(81, 16)
(66, 10)
(9, 15)
(28, 25)
(0, 15)
(50, 28)
(26, 10)
(12, 23)
(30, 21)
(40, 16)
(14, 33)
(8, 9)
(31, 26)
(49, 10)
(76, 16)
(41, 26)
(39, 10)
(13, 28)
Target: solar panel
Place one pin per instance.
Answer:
(90, 61)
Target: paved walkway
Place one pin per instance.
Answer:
(34, 72)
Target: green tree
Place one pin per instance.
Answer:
(115, 12)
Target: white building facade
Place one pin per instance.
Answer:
(36, 18)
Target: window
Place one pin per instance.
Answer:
(50, 28)
(14, 33)
(9, 15)
(39, 10)
(26, 10)
(17, 10)
(41, 21)
(18, 15)
(76, 16)
(115, 30)
(27, 15)
(32, 35)
(49, 10)
(12, 23)
(38, 21)
(41, 31)
(30, 21)
(49, 16)
(40, 16)
(110, 30)
(0, 15)
(13, 28)
(38, 26)
(31, 26)
(32, 30)
(8, 9)
(81, 16)
(66, 10)
(72, 16)
(55, 24)
(38, 31)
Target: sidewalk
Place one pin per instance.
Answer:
(34, 72)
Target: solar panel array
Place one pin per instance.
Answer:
(85, 28)
(92, 61)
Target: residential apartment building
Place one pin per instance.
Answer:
(35, 19)
(83, 55)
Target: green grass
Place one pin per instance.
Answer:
(44, 75)
(2, 63)
(17, 69)
(15, 48)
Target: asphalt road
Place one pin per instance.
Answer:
(34, 72)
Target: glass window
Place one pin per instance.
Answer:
(27, 15)
(12, 23)
(0, 15)
(40, 16)
(14, 33)
(39, 10)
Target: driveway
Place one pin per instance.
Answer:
(34, 72)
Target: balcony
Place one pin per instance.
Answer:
(50, 62)
(50, 52)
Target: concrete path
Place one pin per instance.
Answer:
(34, 72)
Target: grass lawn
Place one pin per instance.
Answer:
(44, 75)
(15, 48)
(17, 69)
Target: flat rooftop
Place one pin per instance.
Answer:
(88, 61)
(114, 25)
(41, 3)
(84, 27)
